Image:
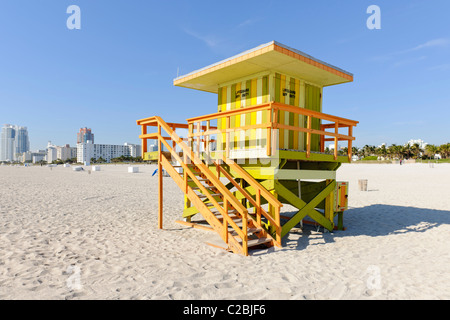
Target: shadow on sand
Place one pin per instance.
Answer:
(374, 221)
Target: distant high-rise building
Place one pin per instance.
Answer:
(14, 142)
(51, 153)
(85, 135)
(7, 143)
(22, 142)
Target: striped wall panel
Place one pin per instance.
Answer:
(273, 87)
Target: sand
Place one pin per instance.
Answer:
(81, 235)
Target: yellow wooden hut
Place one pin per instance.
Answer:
(264, 146)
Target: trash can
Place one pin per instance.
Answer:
(362, 184)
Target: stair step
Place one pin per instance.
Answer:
(188, 165)
(206, 187)
(257, 242)
(217, 211)
(211, 194)
(213, 209)
(190, 180)
(235, 219)
(249, 231)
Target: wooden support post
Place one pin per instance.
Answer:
(225, 222)
(308, 136)
(269, 133)
(144, 141)
(243, 186)
(190, 138)
(322, 139)
(217, 168)
(227, 138)
(207, 138)
(336, 130)
(198, 138)
(174, 143)
(245, 230)
(340, 225)
(185, 178)
(329, 201)
(187, 204)
(275, 132)
(350, 145)
(160, 182)
(273, 213)
(258, 206)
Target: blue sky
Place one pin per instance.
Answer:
(120, 66)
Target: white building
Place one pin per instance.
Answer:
(51, 153)
(87, 151)
(134, 149)
(21, 142)
(14, 142)
(34, 157)
(60, 152)
(66, 152)
(38, 157)
(422, 144)
(7, 143)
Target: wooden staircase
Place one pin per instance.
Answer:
(222, 212)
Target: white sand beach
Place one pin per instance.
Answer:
(80, 235)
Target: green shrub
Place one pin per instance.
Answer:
(370, 158)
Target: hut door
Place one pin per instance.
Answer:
(313, 98)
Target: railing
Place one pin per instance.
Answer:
(271, 125)
(228, 198)
(260, 192)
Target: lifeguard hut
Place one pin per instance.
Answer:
(262, 148)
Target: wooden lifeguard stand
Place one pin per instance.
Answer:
(264, 146)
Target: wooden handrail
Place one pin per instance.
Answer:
(252, 181)
(274, 106)
(198, 162)
(273, 123)
(314, 114)
(229, 198)
(234, 112)
(275, 221)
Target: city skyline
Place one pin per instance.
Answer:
(14, 140)
(410, 141)
(107, 75)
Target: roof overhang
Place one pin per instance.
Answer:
(272, 56)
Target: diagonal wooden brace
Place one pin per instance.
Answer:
(306, 208)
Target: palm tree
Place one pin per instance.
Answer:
(368, 150)
(430, 150)
(390, 152)
(407, 151)
(381, 151)
(415, 148)
(394, 151)
(444, 150)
